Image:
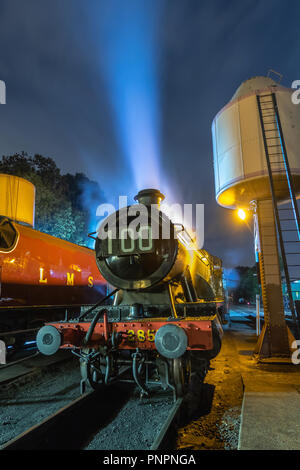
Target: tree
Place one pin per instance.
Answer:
(248, 286)
(61, 208)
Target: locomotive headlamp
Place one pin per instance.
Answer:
(48, 340)
(171, 341)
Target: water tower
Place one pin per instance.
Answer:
(17, 199)
(256, 144)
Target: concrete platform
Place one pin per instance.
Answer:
(271, 403)
(270, 420)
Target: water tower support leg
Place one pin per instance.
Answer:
(275, 339)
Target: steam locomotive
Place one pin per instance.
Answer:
(167, 309)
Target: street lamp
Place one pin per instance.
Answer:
(242, 214)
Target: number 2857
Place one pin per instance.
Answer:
(141, 335)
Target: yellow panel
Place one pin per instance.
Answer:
(17, 199)
(228, 146)
(290, 121)
(251, 136)
(240, 166)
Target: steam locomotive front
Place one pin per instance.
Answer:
(163, 316)
(137, 248)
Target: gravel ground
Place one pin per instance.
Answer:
(21, 407)
(213, 419)
(216, 420)
(131, 426)
(136, 425)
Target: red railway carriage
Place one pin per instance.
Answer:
(39, 271)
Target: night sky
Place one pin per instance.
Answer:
(126, 91)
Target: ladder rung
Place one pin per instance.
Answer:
(266, 94)
(270, 264)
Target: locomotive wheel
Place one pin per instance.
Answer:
(91, 371)
(181, 375)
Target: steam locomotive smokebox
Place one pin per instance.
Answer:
(17, 199)
(157, 255)
(240, 166)
(134, 263)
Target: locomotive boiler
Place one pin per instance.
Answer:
(167, 309)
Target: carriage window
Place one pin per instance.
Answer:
(8, 234)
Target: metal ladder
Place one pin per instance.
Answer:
(281, 183)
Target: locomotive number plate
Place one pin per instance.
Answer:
(128, 243)
(141, 335)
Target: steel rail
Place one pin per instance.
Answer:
(30, 438)
(38, 436)
(18, 332)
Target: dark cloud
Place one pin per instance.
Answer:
(58, 103)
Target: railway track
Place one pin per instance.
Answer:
(80, 424)
(162, 439)
(25, 367)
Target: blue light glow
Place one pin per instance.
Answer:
(129, 63)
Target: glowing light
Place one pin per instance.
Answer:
(242, 214)
(129, 64)
(74, 267)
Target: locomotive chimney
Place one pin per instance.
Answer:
(149, 196)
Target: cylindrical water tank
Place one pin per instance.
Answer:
(240, 166)
(17, 199)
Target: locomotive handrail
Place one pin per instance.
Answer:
(97, 304)
(183, 229)
(90, 235)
